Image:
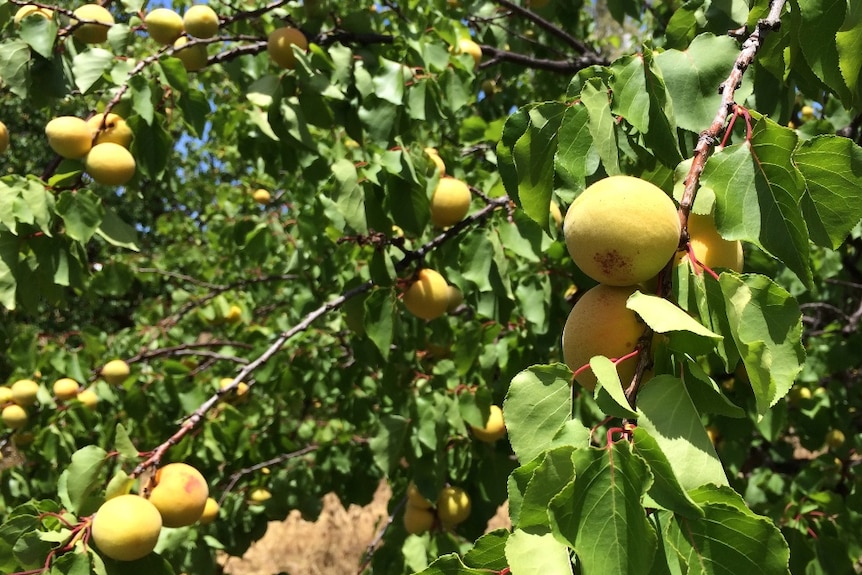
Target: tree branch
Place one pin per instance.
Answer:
(560, 66)
(548, 27)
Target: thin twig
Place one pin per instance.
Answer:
(237, 475)
(548, 27)
(496, 55)
(372, 547)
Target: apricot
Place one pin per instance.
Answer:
(31, 10)
(69, 136)
(494, 428)
(210, 512)
(260, 495)
(93, 33)
(65, 388)
(126, 527)
(5, 394)
(417, 520)
(280, 45)
(240, 390)
(601, 324)
(24, 392)
(415, 498)
(4, 138)
(711, 249)
(450, 202)
(115, 371)
(453, 506)
(435, 158)
(556, 214)
(428, 296)
(180, 494)
(89, 398)
(110, 164)
(472, 48)
(14, 416)
(622, 230)
(193, 57)
(455, 299)
(261, 196)
(116, 130)
(164, 25)
(201, 21)
(234, 314)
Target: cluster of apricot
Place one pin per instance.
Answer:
(420, 515)
(622, 231)
(102, 142)
(127, 527)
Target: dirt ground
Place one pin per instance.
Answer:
(335, 543)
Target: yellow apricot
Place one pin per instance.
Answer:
(472, 48)
(31, 10)
(417, 520)
(260, 495)
(69, 136)
(126, 527)
(14, 416)
(65, 388)
(415, 498)
(24, 392)
(494, 429)
(115, 371)
(164, 25)
(240, 389)
(556, 214)
(835, 438)
(453, 506)
(201, 21)
(92, 33)
(455, 299)
(261, 196)
(711, 249)
(4, 138)
(193, 57)
(435, 158)
(116, 130)
(110, 164)
(450, 202)
(210, 512)
(234, 314)
(622, 230)
(89, 398)
(280, 45)
(180, 494)
(601, 324)
(428, 296)
(5, 394)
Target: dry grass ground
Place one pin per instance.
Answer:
(335, 543)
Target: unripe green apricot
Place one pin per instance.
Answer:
(280, 45)
(417, 520)
(601, 324)
(126, 527)
(622, 230)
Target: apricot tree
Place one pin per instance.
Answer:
(278, 249)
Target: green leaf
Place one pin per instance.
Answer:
(534, 155)
(450, 564)
(117, 232)
(609, 392)
(832, 168)
(8, 265)
(151, 146)
(666, 491)
(379, 319)
(572, 161)
(595, 98)
(729, 534)
(88, 67)
(529, 554)
(350, 198)
(821, 50)
(84, 478)
(175, 74)
(389, 81)
(81, 212)
(15, 67)
(123, 443)
(142, 98)
(387, 446)
(537, 405)
(489, 551)
(600, 515)
(848, 40)
(549, 478)
(766, 324)
(692, 77)
(663, 316)
(514, 128)
(669, 416)
(40, 34)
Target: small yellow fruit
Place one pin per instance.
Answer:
(24, 392)
(417, 520)
(455, 299)
(93, 33)
(556, 214)
(807, 113)
(436, 160)
(126, 527)
(260, 495)
(240, 389)
(428, 296)
(164, 25)
(711, 249)
(5, 395)
(69, 136)
(201, 21)
(234, 314)
(834, 438)
(713, 433)
(115, 371)
(261, 196)
(494, 429)
(30, 10)
(89, 398)
(798, 394)
(601, 324)
(116, 130)
(210, 512)
(622, 230)
(193, 57)
(180, 494)
(280, 46)
(416, 499)
(472, 48)
(110, 164)
(4, 138)
(14, 416)
(65, 388)
(450, 202)
(453, 506)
